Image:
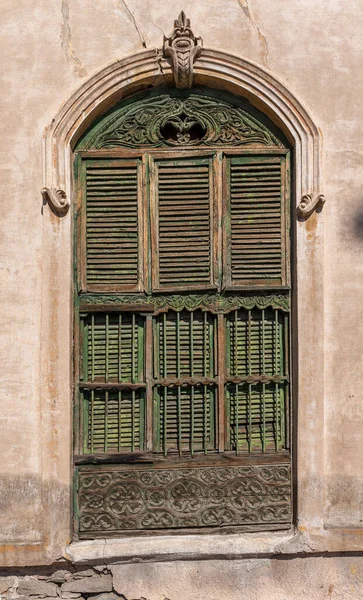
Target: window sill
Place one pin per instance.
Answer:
(201, 547)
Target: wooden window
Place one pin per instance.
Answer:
(182, 304)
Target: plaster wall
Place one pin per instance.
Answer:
(49, 49)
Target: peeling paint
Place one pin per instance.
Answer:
(123, 6)
(262, 38)
(66, 43)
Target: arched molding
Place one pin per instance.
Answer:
(214, 69)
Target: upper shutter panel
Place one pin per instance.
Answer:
(112, 225)
(256, 252)
(183, 236)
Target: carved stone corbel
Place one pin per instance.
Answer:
(57, 199)
(183, 48)
(308, 204)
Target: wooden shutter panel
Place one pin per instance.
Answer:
(113, 354)
(258, 367)
(112, 225)
(256, 248)
(184, 363)
(183, 221)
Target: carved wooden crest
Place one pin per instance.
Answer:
(191, 121)
(183, 48)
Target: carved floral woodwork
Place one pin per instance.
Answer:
(183, 48)
(140, 498)
(193, 120)
(215, 303)
(309, 203)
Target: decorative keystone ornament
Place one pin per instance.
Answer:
(183, 48)
(309, 203)
(56, 198)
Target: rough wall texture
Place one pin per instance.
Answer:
(312, 578)
(50, 48)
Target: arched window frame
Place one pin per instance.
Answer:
(219, 70)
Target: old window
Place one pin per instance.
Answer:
(182, 306)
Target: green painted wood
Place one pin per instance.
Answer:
(185, 406)
(183, 235)
(256, 220)
(112, 228)
(114, 420)
(256, 349)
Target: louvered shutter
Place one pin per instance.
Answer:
(183, 209)
(256, 221)
(113, 354)
(257, 367)
(184, 388)
(112, 228)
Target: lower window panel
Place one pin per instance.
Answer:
(185, 419)
(256, 417)
(112, 500)
(113, 420)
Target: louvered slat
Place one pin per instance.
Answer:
(113, 420)
(185, 344)
(185, 419)
(183, 237)
(256, 201)
(256, 410)
(114, 347)
(112, 229)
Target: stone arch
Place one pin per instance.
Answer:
(214, 69)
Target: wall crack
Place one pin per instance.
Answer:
(262, 38)
(66, 42)
(123, 6)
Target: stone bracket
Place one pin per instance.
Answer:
(309, 203)
(57, 199)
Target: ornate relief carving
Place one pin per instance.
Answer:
(309, 203)
(183, 48)
(125, 499)
(215, 303)
(194, 120)
(56, 198)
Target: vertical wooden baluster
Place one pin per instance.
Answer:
(221, 379)
(263, 386)
(92, 379)
(106, 421)
(236, 373)
(133, 366)
(191, 349)
(249, 385)
(165, 388)
(178, 375)
(277, 426)
(286, 407)
(149, 382)
(119, 379)
(107, 345)
(205, 373)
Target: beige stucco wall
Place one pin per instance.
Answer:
(50, 48)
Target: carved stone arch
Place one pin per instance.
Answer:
(214, 69)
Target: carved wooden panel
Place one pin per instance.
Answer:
(188, 120)
(118, 499)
